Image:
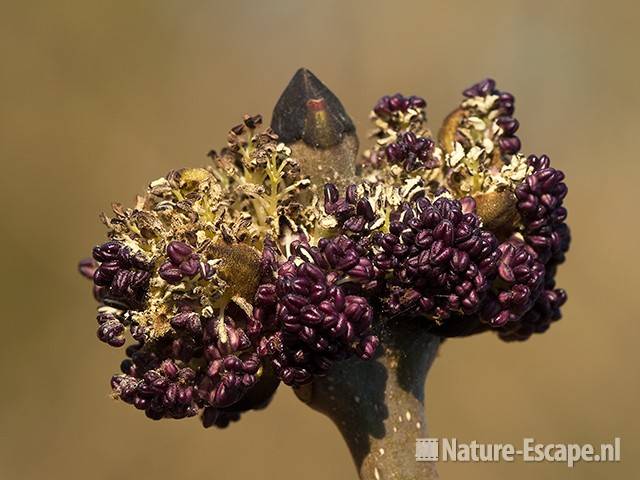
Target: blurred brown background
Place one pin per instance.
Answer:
(99, 98)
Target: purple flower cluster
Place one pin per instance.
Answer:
(111, 324)
(232, 366)
(441, 261)
(317, 323)
(390, 104)
(412, 152)
(343, 259)
(509, 143)
(182, 262)
(518, 285)
(202, 347)
(111, 329)
(198, 364)
(121, 278)
(354, 215)
(537, 320)
(156, 377)
(164, 392)
(540, 204)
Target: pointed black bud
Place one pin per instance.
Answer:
(307, 110)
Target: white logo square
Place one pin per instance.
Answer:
(426, 449)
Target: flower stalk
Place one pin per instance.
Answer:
(378, 405)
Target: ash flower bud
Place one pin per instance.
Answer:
(110, 329)
(183, 262)
(509, 125)
(252, 121)
(163, 392)
(331, 195)
(218, 324)
(187, 320)
(178, 252)
(315, 322)
(440, 260)
(388, 105)
(538, 319)
(481, 89)
(190, 267)
(486, 87)
(540, 204)
(355, 215)
(367, 347)
(231, 368)
(510, 145)
(504, 104)
(307, 110)
(120, 277)
(107, 252)
(521, 279)
(412, 152)
(170, 273)
(343, 258)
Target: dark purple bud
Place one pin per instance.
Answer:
(509, 125)
(170, 274)
(294, 303)
(266, 294)
(107, 252)
(187, 320)
(102, 277)
(509, 145)
(367, 347)
(331, 194)
(481, 89)
(190, 267)
(178, 252)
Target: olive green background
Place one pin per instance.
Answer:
(99, 98)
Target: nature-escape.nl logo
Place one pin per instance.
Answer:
(451, 450)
